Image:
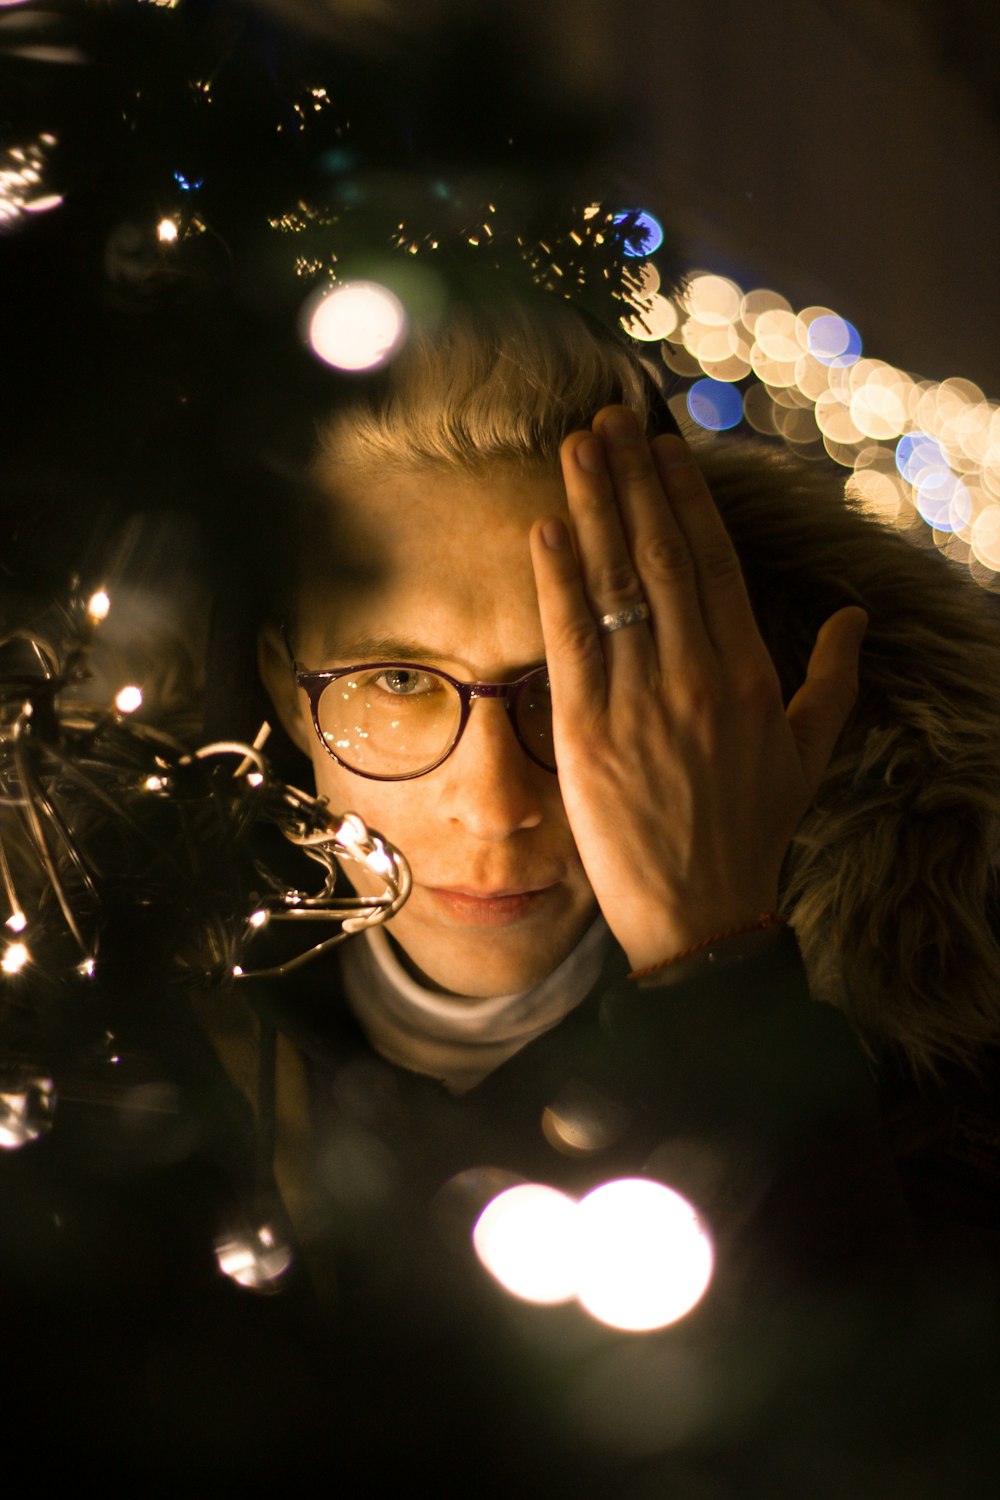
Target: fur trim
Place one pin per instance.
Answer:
(892, 872)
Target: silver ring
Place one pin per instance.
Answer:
(633, 615)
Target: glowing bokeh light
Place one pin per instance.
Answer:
(26, 1112)
(356, 326)
(22, 179)
(655, 318)
(526, 1238)
(985, 538)
(166, 231)
(17, 921)
(99, 605)
(645, 237)
(878, 411)
(834, 341)
(128, 699)
(255, 1258)
(775, 335)
(645, 1259)
(15, 956)
(632, 1252)
(918, 456)
(715, 405)
(758, 302)
(944, 502)
(713, 299)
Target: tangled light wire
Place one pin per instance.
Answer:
(63, 762)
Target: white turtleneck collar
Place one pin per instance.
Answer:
(455, 1038)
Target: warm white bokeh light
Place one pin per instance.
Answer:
(526, 1238)
(357, 326)
(644, 1257)
(26, 1112)
(129, 699)
(255, 1259)
(632, 1252)
(15, 957)
(655, 318)
(99, 605)
(986, 537)
(166, 231)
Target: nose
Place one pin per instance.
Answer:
(488, 784)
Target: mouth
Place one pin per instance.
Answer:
(497, 908)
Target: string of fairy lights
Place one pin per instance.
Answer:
(60, 757)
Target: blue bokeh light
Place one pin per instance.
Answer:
(188, 184)
(645, 237)
(715, 404)
(834, 341)
(919, 457)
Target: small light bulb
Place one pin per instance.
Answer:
(254, 778)
(98, 606)
(237, 971)
(15, 958)
(86, 968)
(17, 921)
(258, 918)
(155, 783)
(129, 699)
(166, 231)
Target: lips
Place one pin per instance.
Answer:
(495, 908)
(493, 895)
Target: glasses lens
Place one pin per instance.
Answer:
(389, 721)
(533, 716)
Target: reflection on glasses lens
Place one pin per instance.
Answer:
(389, 721)
(396, 721)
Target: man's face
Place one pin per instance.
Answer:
(452, 587)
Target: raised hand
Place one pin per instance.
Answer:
(682, 772)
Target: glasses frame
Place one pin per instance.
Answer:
(315, 683)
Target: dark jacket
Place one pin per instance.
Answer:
(388, 1356)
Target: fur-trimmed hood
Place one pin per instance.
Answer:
(892, 873)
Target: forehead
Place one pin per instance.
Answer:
(441, 559)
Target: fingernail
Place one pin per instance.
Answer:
(554, 535)
(620, 427)
(590, 455)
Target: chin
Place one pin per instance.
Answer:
(487, 967)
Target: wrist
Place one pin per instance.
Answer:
(716, 949)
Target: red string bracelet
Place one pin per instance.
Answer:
(761, 923)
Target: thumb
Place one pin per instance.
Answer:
(821, 707)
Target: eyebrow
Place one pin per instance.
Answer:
(383, 648)
(379, 647)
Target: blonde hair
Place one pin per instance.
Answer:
(890, 875)
(498, 386)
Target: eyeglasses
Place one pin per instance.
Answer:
(393, 720)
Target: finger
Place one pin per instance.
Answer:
(573, 651)
(610, 580)
(821, 707)
(659, 549)
(725, 603)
